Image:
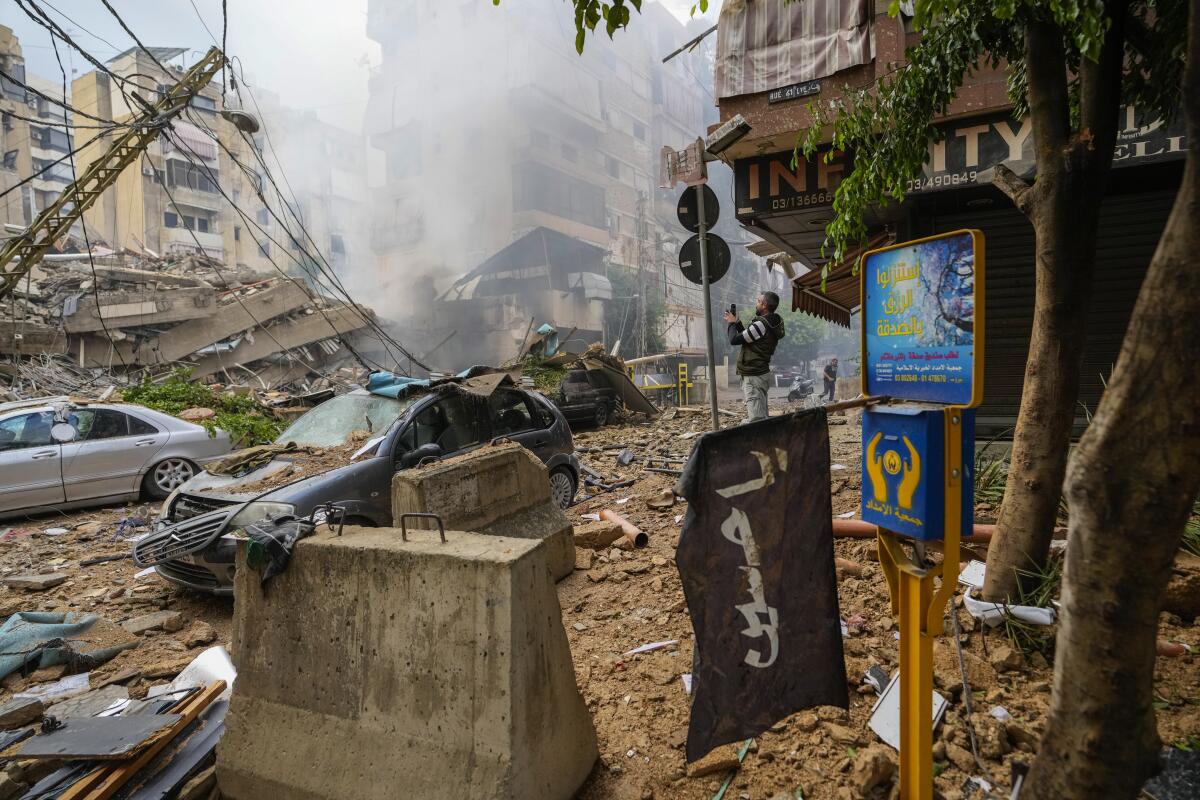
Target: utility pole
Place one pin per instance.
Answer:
(708, 333)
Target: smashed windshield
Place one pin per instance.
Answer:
(331, 423)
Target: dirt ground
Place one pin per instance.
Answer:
(625, 599)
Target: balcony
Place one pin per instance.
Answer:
(181, 240)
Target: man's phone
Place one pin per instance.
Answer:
(733, 309)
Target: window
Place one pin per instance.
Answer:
(138, 427)
(202, 224)
(189, 222)
(264, 249)
(452, 423)
(50, 139)
(27, 430)
(538, 187)
(569, 153)
(613, 167)
(336, 245)
(10, 159)
(639, 131)
(204, 103)
(7, 117)
(510, 413)
(237, 233)
(263, 216)
(189, 176)
(170, 220)
(95, 424)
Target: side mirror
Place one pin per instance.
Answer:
(63, 432)
(414, 457)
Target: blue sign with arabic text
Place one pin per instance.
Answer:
(923, 320)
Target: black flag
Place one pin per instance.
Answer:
(756, 561)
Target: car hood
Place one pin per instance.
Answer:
(242, 488)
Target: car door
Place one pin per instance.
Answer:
(30, 462)
(452, 422)
(109, 454)
(514, 416)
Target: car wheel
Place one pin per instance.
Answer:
(601, 415)
(166, 476)
(562, 486)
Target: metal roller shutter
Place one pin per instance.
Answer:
(1130, 226)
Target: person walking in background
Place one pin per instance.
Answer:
(830, 376)
(758, 341)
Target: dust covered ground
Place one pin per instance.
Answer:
(624, 599)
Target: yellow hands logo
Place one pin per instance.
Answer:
(894, 464)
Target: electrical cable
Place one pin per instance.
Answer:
(83, 223)
(236, 296)
(250, 223)
(353, 305)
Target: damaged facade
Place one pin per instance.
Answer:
(789, 209)
(549, 139)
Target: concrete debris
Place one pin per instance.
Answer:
(159, 620)
(35, 583)
(76, 320)
(18, 712)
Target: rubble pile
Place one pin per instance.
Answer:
(76, 324)
(631, 640)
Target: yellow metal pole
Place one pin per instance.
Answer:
(916, 687)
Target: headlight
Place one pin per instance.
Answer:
(164, 513)
(258, 511)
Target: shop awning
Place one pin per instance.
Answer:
(841, 294)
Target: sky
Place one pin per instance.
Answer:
(314, 54)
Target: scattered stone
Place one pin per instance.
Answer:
(35, 583)
(200, 786)
(1006, 659)
(841, 733)
(597, 575)
(597, 535)
(873, 767)
(664, 500)
(722, 759)
(961, 757)
(201, 633)
(46, 674)
(159, 620)
(1020, 737)
(806, 721)
(1183, 590)
(584, 558)
(196, 414)
(579, 626)
(939, 750)
(991, 736)
(658, 561)
(847, 567)
(166, 669)
(122, 676)
(18, 712)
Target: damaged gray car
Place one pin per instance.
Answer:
(191, 545)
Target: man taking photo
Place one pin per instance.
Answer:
(758, 341)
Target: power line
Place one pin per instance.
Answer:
(236, 296)
(83, 223)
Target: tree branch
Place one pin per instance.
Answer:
(1049, 103)
(1016, 188)
(1100, 90)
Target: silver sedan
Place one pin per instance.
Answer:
(56, 453)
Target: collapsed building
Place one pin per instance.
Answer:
(119, 315)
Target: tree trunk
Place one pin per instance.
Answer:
(1064, 207)
(1131, 485)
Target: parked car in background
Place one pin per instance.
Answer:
(585, 396)
(103, 453)
(190, 546)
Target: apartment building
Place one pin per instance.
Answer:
(34, 139)
(512, 130)
(181, 196)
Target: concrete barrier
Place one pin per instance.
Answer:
(501, 490)
(374, 668)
